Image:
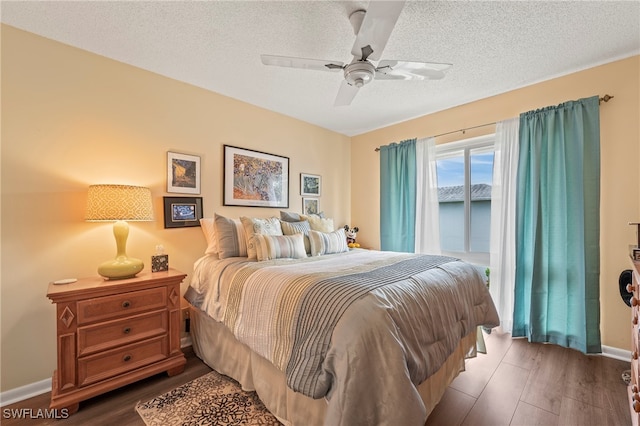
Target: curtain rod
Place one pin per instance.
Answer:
(605, 98)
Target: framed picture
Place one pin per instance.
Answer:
(310, 206)
(183, 173)
(255, 179)
(310, 185)
(182, 212)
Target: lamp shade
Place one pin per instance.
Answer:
(119, 202)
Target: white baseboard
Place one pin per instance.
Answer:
(25, 392)
(616, 353)
(34, 389)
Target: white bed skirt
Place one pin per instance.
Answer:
(218, 348)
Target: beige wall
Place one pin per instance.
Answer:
(620, 155)
(71, 119)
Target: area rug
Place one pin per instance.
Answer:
(212, 399)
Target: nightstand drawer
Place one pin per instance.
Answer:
(101, 366)
(108, 307)
(107, 335)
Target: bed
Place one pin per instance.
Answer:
(330, 335)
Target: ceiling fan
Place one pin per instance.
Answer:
(372, 29)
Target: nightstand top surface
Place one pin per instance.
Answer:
(97, 283)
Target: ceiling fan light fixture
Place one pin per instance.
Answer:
(359, 73)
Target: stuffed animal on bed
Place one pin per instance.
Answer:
(351, 236)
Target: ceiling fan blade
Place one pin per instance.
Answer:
(379, 20)
(404, 70)
(346, 93)
(310, 64)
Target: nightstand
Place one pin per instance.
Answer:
(112, 333)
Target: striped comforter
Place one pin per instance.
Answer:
(329, 321)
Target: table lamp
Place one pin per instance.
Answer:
(119, 203)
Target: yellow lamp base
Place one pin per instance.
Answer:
(120, 268)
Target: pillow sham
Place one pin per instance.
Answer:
(255, 225)
(328, 242)
(317, 223)
(289, 216)
(231, 238)
(295, 217)
(280, 246)
(209, 231)
(302, 227)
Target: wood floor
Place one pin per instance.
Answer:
(516, 383)
(521, 383)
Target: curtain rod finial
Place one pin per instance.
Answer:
(605, 98)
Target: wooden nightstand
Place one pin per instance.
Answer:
(112, 333)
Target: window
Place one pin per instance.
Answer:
(465, 175)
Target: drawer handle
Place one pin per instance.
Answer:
(126, 304)
(636, 406)
(634, 301)
(634, 321)
(126, 358)
(634, 355)
(630, 288)
(127, 330)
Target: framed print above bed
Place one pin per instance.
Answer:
(255, 179)
(310, 185)
(182, 212)
(183, 173)
(310, 206)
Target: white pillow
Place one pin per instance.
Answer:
(255, 225)
(209, 230)
(317, 223)
(280, 246)
(328, 242)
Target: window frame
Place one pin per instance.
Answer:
(453, 149)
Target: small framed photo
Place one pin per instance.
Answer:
(310, 206)
(182, 212)
(310, 185)
(183, 173)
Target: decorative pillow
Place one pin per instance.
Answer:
(255, 225)
(209, 231)
(318, 223)
(280, 246)
(328, 243)
(295, 217)
(232, 241)
(303, 227)
(289, 216)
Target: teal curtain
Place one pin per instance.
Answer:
(558, 226)
(398, 196)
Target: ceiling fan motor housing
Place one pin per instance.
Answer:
(359, 73)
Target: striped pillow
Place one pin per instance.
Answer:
(280, 246)
(231, 237)
(328, 242)
(303, 227)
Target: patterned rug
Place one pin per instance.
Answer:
(212, 399)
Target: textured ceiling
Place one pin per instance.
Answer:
(494, 47)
